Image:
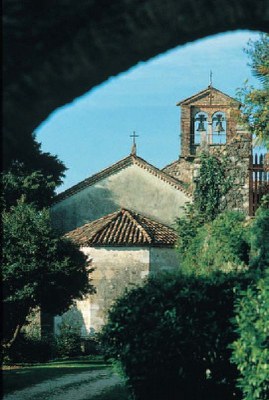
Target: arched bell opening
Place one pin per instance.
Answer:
(219, 128)
(200, 127)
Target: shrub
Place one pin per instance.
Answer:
(259, 239)
(29, 350)
(251, 349)
(68, 342)
(91, 345)
(211, 185)
(172, 338)
(221, 244)
(187, 227)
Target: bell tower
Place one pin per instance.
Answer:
(207, 118)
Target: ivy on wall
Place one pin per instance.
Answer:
(212, 184)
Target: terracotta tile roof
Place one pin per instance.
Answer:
(124, 163)
(124, 228)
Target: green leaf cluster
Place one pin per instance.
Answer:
(33, 186)
(219, 245)
(259, 238)
(38, 267)
(211, 185)
(172, 335)
(255, 102)
(251, 349)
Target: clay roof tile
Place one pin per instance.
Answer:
(124, 228)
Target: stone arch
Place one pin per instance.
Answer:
(200, 119)
(219, 127)
(55, 51)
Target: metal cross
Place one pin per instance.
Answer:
(134, 136)
(211, 77)
(210, 86)
(133, 150)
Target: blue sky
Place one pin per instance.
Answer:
(92, 132)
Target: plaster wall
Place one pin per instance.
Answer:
(116, 269)
(163, 259)
(132, 188)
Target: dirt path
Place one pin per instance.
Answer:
(83, 386)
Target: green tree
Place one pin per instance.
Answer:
(172, 335)
(210, 186)
(39, 269)
(251, 349)
(31, 173)
(222, 245)
(259, 234)
(34, 186)
(194, 227)
(255, 109)
(29, 154)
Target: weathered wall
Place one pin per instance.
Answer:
(182, 169)
(116, 269)
(236, 157)
(237, 154)
(163, 259)
(132, 188)
(211, 103)
(55, 51)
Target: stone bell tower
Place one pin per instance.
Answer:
(208, 117)
(209, 122)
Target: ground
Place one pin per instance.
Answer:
(81, 384)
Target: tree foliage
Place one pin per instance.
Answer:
(29, 154)
(33, 186)
(255, 110)
(172, 337)
(259, 236)
(198, 233)
(187, 227)
(211, 185)
(38, 268)
(222, 245)
(31, 173)
(251, 349)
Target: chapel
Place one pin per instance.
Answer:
(124, 217)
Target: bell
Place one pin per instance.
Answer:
(201, 127)
(219, 127)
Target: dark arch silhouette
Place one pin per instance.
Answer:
(56, 50)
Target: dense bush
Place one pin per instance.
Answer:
(260, 239)
(251, 349)
(221, 244)
(212, 184)
(69, 343)
(29, 350)
(172, 337)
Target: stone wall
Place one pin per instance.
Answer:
(237, 153)
(209, 101)
(163, 259)
(116, 269)
(182, 170)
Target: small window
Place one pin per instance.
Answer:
(219, 127)
(200, 127)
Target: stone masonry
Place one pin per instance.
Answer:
(236, 151)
